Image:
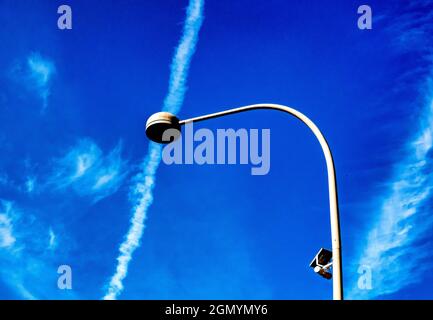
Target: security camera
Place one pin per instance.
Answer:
(322, 263)
(322, 272)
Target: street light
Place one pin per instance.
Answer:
(161, 121)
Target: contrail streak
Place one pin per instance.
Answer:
(141, 192)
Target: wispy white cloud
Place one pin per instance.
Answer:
(395, 248)
(413, 27)
(88, 171)
(27, 264)
(7, 238)
(10, 250)
(36, 75)
(30, 184)
(142, 196)
(52, 242)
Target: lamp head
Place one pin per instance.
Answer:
(158, 123)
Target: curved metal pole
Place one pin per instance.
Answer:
(337, 269)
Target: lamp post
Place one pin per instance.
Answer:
(161, 121)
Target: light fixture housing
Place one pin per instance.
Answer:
(158, 123)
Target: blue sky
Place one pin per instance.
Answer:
(73, 104)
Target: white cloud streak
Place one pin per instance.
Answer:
(182, 57)
(143, 189)
(52, 242)
(7, 238)
(10, 249)
(30, 184)
(395, 249)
